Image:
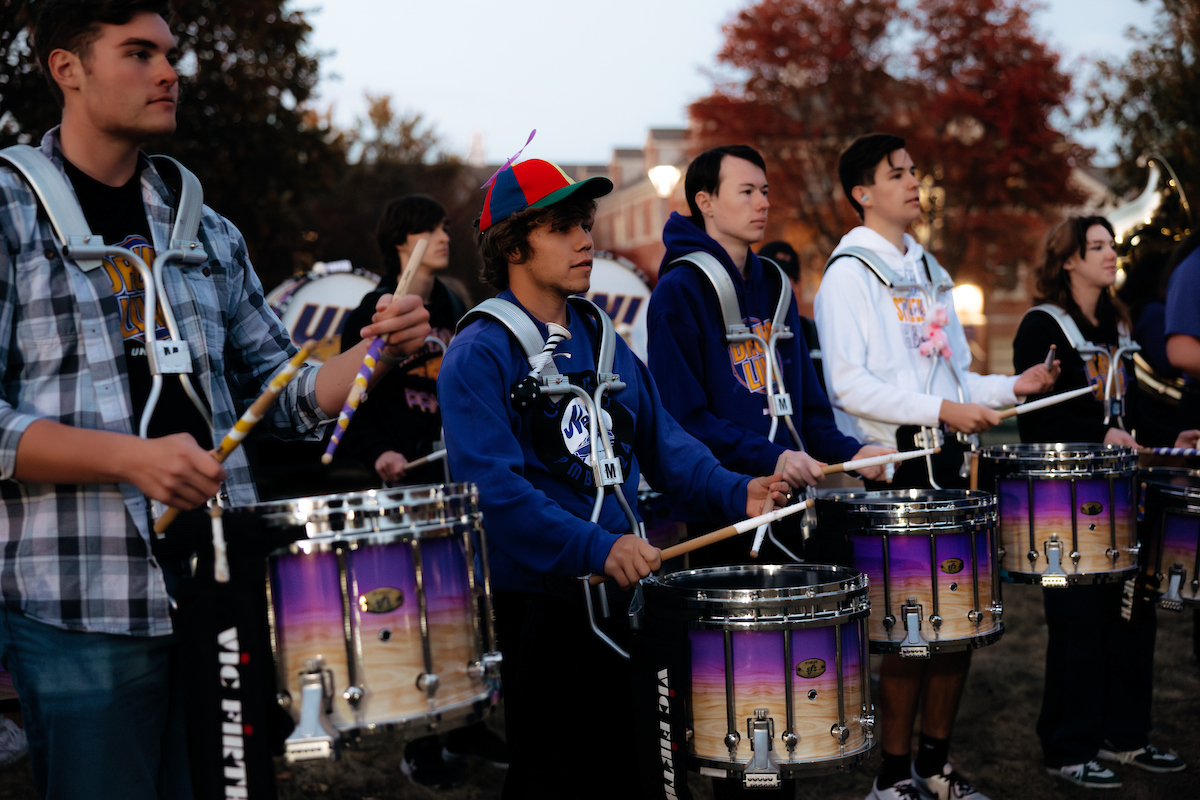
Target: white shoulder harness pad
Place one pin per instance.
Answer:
(727, 295)
(66, 217)
(938, 277)
(1075, 336)
(522, 329)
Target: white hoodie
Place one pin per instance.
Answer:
(870, 337)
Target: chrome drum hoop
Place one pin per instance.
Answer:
(771, 596)
(354, 514)
(1180, 484)
(1063, 459)
(325, 544)
(915, 511)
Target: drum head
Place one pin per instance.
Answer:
(315, 306)
(905, 510)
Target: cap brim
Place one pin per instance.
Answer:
(589, 189)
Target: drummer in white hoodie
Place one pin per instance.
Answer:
(879, 344)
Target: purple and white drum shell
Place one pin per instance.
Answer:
(383, 580)
(315, 305)
(1080, 495)
(758, 612)
(931, 548)
(1169, 523)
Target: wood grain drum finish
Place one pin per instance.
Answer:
(307, 597)
(391, 645)
(758, 667)
(913, 562)
(1169, 525)
(1054, 515)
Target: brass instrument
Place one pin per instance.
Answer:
(1156, 219)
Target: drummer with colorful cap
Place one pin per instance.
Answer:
(567, 694)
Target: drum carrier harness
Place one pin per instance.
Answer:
(1114, 393)
(779, 401)
(939, 281)
(78, 244)
(545, 379)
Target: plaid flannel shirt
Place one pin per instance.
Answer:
(78, 556)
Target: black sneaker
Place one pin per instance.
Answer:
(1089, 775)
(424, 765)
(476, 740)
(1149, 758)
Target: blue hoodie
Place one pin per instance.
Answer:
(716, 390)
(535, 490)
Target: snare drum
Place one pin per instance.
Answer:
(374, 612)
(1067, 513)
(778, 679)
(1169, 523)
(930, 558)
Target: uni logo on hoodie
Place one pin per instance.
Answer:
(747, 358)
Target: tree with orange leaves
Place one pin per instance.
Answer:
(967, 82)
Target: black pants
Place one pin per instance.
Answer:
(568, 711)
(1099, 675)
(914, 474)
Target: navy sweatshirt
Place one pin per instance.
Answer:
(535, 489)
(717, 390)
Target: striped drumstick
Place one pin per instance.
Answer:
(249, 419)
(1190, 452)
(371, 360)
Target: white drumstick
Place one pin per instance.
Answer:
(768, 504)
(878, 461)
(436, 455)
(1052, 400)
(1050, 358)
(410, 269)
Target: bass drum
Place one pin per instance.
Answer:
(314, 306)
(621, 290)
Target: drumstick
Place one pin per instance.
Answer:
(768, 504)
(436, 455)
(721, 535)
(1190, 452)
(1052, 400)
(253, 414)
(878, 461)
(371, 359)
(1049, 364)
(975, 468)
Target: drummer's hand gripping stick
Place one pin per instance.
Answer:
(244, 425)
(370, 363)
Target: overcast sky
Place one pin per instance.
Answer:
(590, 76)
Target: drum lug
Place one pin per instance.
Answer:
(997, 610)
(974, 616)
(1171, 601)
(313, 738)
(1075, 557)
(1054, 577)
(1001, 552)
(1133, 550)
(284, 699)
(889, 622)
(732, 739)
(839, 732)
(1112, 553)
(353, 695)
(1032, 555)
(427, 682)
(790, 740)
(762, 772)
(487, 668)
(914, 645)
(688, 733)
(936, 622)
(868, 724)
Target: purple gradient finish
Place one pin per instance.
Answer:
(306, 592)
(1053, 498)
(391, 565)
(758, 655)
(1182, 532)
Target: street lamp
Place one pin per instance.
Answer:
(664, 177)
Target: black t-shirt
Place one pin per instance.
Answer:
(118, 215)
(1081, 419)
(401, 413)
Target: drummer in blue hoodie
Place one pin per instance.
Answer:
(531, 456)
(718, 389)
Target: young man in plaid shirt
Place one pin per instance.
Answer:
(86, 629)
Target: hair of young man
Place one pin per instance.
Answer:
(75, 24)
(507, 242)
(784, 255)
(704, 173)
(856, 167)
(413, 213)
(1053, 283)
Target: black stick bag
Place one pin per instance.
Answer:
(661, 659)
(224, 660)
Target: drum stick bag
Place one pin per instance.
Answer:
(661, 660)
(235, 725)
